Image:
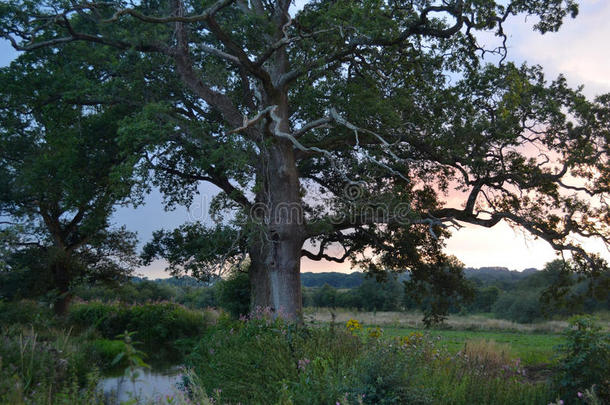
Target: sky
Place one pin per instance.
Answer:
(579, 50)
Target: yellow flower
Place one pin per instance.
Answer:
(374, 333)
(412, 339)
(353, 325)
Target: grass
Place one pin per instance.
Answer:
(45, 360)
(531, 349)
(264, 361)
(532, 344)
(413, 319)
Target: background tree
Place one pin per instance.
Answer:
(62, 174)
(336, 132)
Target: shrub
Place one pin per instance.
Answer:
(154, 322)
(104, 351)
(263, 360)
(584, 359)
(234, 294)
(523, 307)
(387, 374)
(24, 312)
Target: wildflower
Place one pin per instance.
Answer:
(579, 394)
(374, 333)
(353, 325)
(302, 364)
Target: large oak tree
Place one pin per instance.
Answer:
(344, 126)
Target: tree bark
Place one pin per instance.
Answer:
(284, 230)
(62, 278)
(259, 279)
(62, 303)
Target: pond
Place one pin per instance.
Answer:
(150, 385)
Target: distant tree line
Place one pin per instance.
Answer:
(525, 296)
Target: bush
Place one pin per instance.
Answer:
(585, 359)
(264, 360)
(24, 312)
(234, 294)
(387, 374)
(521, 307)
(154, 323)
(104, 351)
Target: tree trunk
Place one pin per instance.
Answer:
(275, 278)
(278, 266)
(259, 279)
(62, 278)
(62, 303)
(276, 257)
(62, 283)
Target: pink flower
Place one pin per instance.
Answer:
(302, 364)
(579, 394)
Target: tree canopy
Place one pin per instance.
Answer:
(62, 174)
(337, 131)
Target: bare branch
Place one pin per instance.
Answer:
(312, 125)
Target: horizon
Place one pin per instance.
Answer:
(498, 268)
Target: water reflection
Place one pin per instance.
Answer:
(151, 385)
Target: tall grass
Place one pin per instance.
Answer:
(413, 319)
(44, 369)
(266, 361)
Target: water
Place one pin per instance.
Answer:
(150, 385)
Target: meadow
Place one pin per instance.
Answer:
(533, 344)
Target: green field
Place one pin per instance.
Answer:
(533, 344)
(530, 348)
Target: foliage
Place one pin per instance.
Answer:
(63, 173)
(132, 357)
(233, 293)
(585, 359)
(518, 306)
(24, 312)
(265, 360)
(193, 249)
(155, 323)
(252, 360)
(523, 297)
(104, 351)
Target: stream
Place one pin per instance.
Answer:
(150, 385)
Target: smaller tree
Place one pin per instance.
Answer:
(234, 293)
(62, 173)
(585, 360)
